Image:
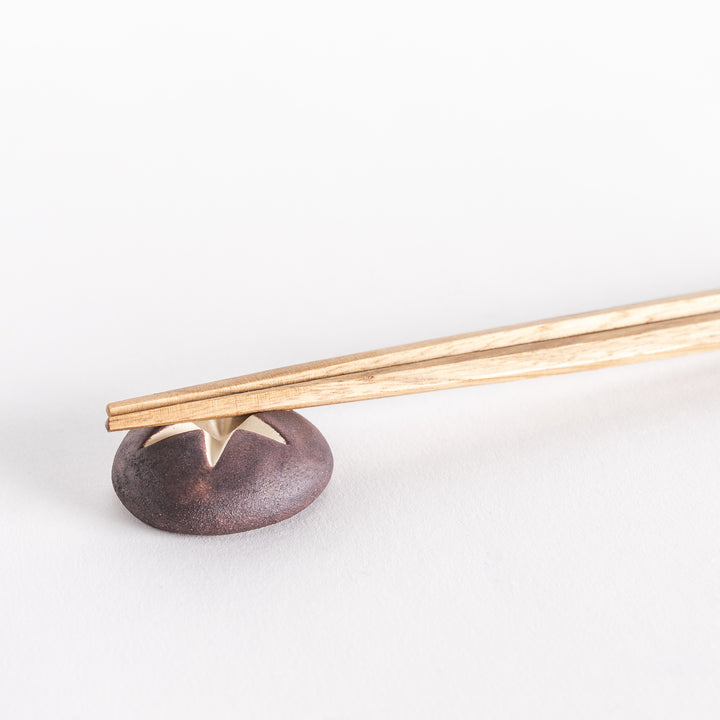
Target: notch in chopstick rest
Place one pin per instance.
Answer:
(219, 477)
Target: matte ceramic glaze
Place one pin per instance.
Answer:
(172, 485)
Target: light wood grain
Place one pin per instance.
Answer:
(586, 351)
(568, 326)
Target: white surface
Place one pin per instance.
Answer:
(189, 191)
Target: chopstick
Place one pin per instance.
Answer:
(636, 314)
(629, 334)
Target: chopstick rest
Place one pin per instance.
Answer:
(222, 476)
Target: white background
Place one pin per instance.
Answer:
(190, 191)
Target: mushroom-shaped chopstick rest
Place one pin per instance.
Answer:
(222, 476)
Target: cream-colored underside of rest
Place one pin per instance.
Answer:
(217, 433)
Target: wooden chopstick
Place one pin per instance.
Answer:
(625, 316)
(584, 351)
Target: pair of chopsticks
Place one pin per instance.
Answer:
(618, 336)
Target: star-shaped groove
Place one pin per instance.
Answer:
(217, 433)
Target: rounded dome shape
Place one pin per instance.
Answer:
(222, 476)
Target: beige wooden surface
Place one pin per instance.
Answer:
(636, 314)
(587, 351)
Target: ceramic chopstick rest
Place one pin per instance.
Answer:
(222, 476)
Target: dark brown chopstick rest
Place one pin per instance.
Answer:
(267, 473)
